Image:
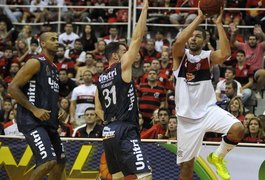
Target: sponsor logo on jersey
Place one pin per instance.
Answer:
(189, 76)
(54, 85)
(38, 143)
(131, 96)
(107, 133)
(32, 91)
(140, 165)
(107, 77)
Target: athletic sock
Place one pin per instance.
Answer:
(225, 146)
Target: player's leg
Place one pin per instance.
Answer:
(40, 144)
(221, 121)
(111, 147)
(190, 135)
(58, 172)
(132, 157)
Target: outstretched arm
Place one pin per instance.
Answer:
(221, 55)
(130, 56)
(183, 37)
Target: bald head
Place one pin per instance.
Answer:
(45, 36)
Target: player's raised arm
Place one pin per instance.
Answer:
(222, 54)
(130, 56)
(183, 37)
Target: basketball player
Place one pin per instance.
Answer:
(35, 88)
(195, 98)
(116, 104)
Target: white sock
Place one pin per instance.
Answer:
(224, 148)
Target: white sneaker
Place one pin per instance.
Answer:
(258, 95)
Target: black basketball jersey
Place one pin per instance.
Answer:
(42, 91)
(118, 98)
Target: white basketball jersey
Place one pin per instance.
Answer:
(194, 92)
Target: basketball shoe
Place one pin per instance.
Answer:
(219, 163)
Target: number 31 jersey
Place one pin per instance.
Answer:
(117, 98)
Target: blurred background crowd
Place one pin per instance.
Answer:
(80, 59)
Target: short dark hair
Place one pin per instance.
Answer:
(90, 108)
(231, 69)
(202, 30)
(242, 52)
(234, 84)
(163, 109)
(111, 48)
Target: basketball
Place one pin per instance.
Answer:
(211, 7)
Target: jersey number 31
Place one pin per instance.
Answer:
(110, 96)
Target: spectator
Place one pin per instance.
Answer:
(65, 130)
(34, 47)
(14, 13)
(83, 96)
(137, 67)
(220, 87)
(171, 132)
(149, 52)
(210, 42)
(230, 93)
(37, 10)
(10, 127)
(88, 38)
(255, 131)
(244, 75)
(22, 49)
(89, 65)
(76, 53)
(254, 15)
(113, 35)
(141, 122)
(160, 41)
(99, 15)
(26, 34)
(63, 63)
(68, 37)
(5, 111)
(14, 68)
(262, 120)
(162, 78)
(64, 105)
(99, 53)
(233, 16)
(3, 94)
(158, 130)
(76, 14)
(66, 85)
(248, 116)
(171, 101)
(100, 69)
(6, 60)
(154, 117)
(236, 108)
(254, 58)
(151, 96)
(90, 129)
(166, 65)
(186, 16)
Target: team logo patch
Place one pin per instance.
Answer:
(156, 95)
(180, 153)
(190, 76)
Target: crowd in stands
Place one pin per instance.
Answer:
(81, 59)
